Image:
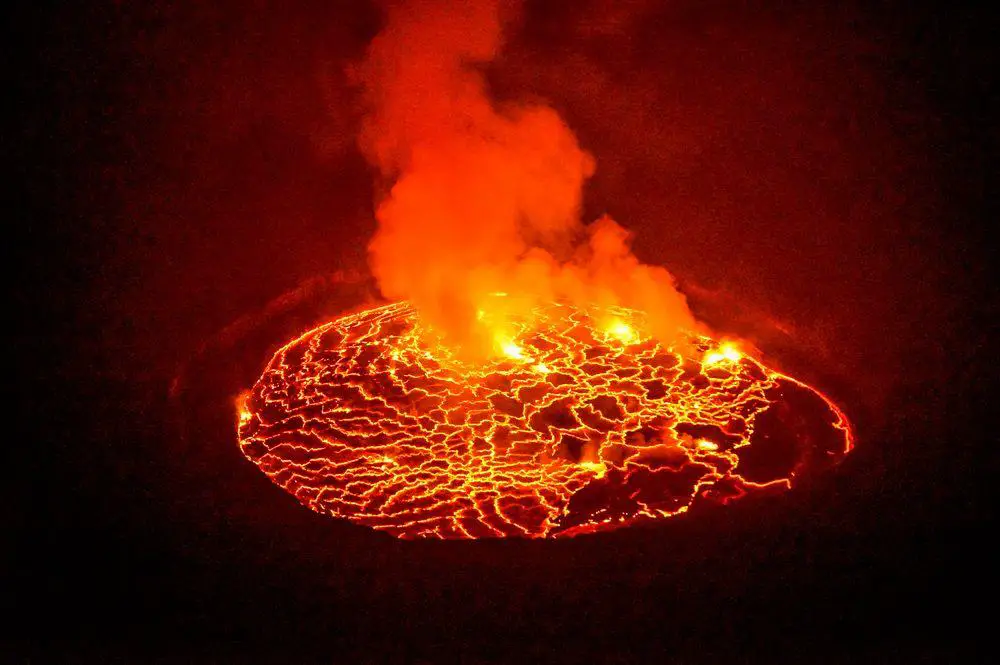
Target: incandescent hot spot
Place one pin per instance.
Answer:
(578, 423)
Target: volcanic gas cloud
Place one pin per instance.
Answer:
(533, 378)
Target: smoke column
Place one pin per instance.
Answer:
(484, 197)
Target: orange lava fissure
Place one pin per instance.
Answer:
(574, 428)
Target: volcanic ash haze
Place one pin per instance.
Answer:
(485, 197)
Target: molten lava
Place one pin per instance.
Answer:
(578, 424)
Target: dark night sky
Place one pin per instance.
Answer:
(823, 167)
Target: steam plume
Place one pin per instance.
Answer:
(484, 197)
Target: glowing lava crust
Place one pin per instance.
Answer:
(576, 427)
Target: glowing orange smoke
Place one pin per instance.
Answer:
(578, 423)
(480, 196)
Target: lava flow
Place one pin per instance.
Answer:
(579, 424)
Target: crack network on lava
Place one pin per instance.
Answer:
(580, 424)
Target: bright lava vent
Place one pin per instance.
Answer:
(577, 426)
